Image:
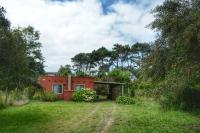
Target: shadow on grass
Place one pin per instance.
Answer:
(13, 119)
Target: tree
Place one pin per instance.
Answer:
(14, 63)
(102, 60)
(4, 23)
(20, 56)
(178, 42)
(120, 55)
(101, 57)
(174, 60)
(129, 57)
(65, 70)
(36, 60)
(139, 51)
(80, 62)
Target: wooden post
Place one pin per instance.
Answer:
(122, 90)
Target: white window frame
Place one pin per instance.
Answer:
(53, 88)
(80, 85)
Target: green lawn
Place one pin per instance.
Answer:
(102, 117)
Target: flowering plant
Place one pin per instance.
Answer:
(84, 95)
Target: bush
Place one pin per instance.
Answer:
(78, 95)
(48, 96)
(84, 95)
(124, 100)
(90, 96)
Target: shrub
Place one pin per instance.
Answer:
(78, 95)
(48, 96)
(124, 100)
(90, 95)
(84, 95)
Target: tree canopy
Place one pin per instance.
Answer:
(102, 60)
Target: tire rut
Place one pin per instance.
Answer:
(107, 122)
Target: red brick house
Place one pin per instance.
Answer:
(64, 86)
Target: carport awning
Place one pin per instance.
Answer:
(110, 83)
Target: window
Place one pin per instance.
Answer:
(79, 87)
(58, 88)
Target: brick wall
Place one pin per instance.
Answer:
(47, 83)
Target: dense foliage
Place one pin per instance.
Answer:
(84, 95)
(124, 100)
(174, 61)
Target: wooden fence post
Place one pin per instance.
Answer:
(122, 90)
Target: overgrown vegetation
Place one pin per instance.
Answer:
(84, 95)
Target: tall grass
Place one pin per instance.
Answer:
(2, 105)
(14, 98)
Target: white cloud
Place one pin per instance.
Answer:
(68, 28)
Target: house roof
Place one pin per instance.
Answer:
(51, 73)
(107, 82)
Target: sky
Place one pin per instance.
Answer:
(68, 27)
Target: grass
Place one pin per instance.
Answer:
(70, 117)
